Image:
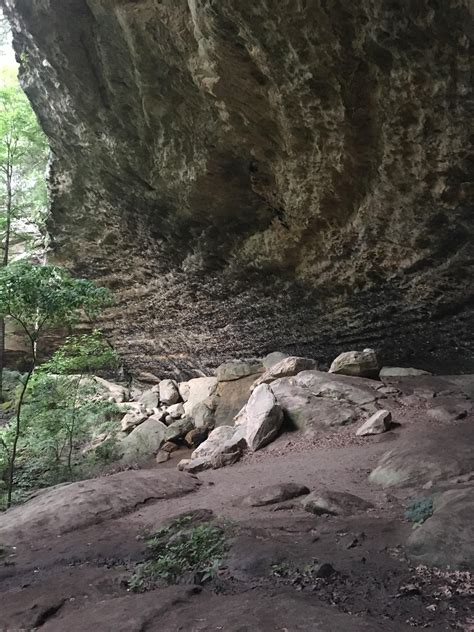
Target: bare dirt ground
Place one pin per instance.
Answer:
(77, 580)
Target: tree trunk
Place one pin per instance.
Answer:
(18, 426)
(6, 254)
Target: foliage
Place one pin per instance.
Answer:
(23, 160)
(36, 296)
(53, 435)
(81, 354)
(181, 549)
(419, 511)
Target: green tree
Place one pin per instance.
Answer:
(80, 355)
(23, 159)
(37, 297)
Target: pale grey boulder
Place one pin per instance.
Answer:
(176, 411)
(149, 399)
(169, 393)
(307, 411)
(273, 358)
(214, 443)
(356, 363)
(132, 419)
(230, 371)
(143, 442)
(287, 367)
(378, 423)
(264, 418)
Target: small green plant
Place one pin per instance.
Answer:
(419, 511)
(280, 570)
(178, 550)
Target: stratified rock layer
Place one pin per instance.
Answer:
(250, 176)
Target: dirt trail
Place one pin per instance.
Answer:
(75, 581)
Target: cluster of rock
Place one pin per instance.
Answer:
(246, 404)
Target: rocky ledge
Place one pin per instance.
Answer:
(246, 179)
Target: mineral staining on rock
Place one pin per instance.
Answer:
(248, 179)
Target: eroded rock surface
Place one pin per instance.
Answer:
(248, 179)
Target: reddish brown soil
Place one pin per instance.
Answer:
(77, 582)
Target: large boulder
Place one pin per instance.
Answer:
(439, 455)
(263, 418)
(356, 363)
(143, 442)
(108, 390)
(310, 412)
(273, 358)
(169, 393)
(230, 398)
(72, 506)
(446, 539)
(285, 368)
(198, 390)
(237, 369)
(149, 399)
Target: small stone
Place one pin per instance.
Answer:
(169, 420)
(162, 456)
(178, 429)
(196, 436)
(323, 570)
(380, 422)
(169, 446)
(176, 411)
(194, 466)
(131, 420)
(397, 371)
(223, 459)
(183, 464)
(334, 503)
(274, 494)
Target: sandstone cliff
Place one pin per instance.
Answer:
(257, 175)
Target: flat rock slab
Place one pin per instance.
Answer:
(441, 454)
(274, 494)
(335, 503)
(174, 608)
(447, 537)
(354, 390)
(74, 506)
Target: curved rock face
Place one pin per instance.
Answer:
(250, 175)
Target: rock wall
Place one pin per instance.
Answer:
(250, 175)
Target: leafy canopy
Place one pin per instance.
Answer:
(86, 353)
(36, 295)
(23, 155)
